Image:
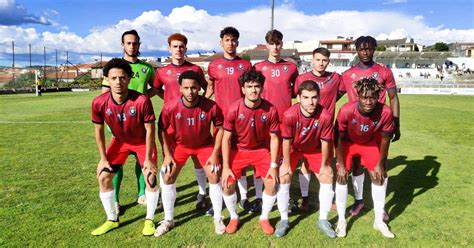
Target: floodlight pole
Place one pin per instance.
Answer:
(273, 14)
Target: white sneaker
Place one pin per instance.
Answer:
(164, 227)
(341, 229)
(383, 228)
(219, 226)
(142, 200)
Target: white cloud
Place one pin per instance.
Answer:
(203, 29)
(14, 14)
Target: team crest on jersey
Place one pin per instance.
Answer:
(285, 68)
(168, 72)
(264, 68)
(376, 123)
(240, 66)
(241, 116)
(354, 121)
(315, 124)
(219, 67)
(375, 75)
(178, 116)
(264, 117)
(144, 70)
(202, 116)
(353, 76)
(132, 111)
(108, 112)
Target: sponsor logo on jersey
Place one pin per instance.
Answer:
(264, 117)
(219, 67)
(285, 68)
(354, 121)
(168, 72)
(376, 123)
(240, 66)
(202, 116)
(353, 76)
(315, 124)
(108, 112)
(264, 68)
(132, 111)
(241, 116)
(144, 70)
(178, 116)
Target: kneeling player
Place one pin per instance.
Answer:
(251, 131)
(307, 131)
(131, 119)
(190, 116)
(360, 123)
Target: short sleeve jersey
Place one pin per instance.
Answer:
(192, 125)
(251, 128)
(126, 120)
(225, 73)
(307, 132)
(379, 72)
(143, 76)
(279, 80)
(362, 129)
(167, 78)
(329, 86)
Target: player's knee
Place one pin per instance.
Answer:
(169, 178)
(230, 189)
(213, 178)
(105, 179)
(286, 179)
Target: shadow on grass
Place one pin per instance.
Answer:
(415, 179)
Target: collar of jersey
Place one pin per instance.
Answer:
(197, 103)
(124, 101)
(365, 67)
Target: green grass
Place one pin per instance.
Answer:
(49, 193)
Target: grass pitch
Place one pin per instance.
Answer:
(49, 193)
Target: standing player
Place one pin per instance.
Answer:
(142, 78)
(367, 68)
(224, 76)
(166, 86)
(280, 76)
(131, 119)
(191, 117)
(329, 84)
(251, 130)
(307, 133)
(361, 124)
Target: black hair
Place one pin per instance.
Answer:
(364, 85)
(189, 74)
(231, 31)
(251, 75)
(308, 85)
(119, 64)
(369, 40)
(132, 32)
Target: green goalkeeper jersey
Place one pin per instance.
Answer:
(143, 75)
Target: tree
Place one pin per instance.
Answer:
(441, 46)
(381, 48)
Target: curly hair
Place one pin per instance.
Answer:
(119, 64)
(365, 85)
(251, 75)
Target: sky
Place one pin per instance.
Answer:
(86, 28)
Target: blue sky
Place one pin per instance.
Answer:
(94, 26)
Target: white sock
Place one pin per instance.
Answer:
(215, 193)
(304, 180)
(168, 197)
(267, 205)
(107, 199)
(151, 202)
(378, 196)
(358, 185)
(341, 201)
(283, 197)
(201, 180)
(258, 182)
(162, 180)
(326, 195)
(231, 204)
(242, 183)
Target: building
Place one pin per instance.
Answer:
(399, 45)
